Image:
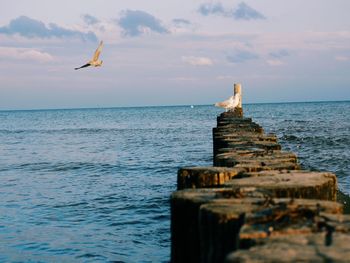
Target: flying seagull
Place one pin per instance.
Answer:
(229, 104)
(94, 61)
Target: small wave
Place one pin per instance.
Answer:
(91, 256)
(82, 131)
(290, 138)
(320, 141)
(62, 167)
(71, 205)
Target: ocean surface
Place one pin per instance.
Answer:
(93, 185)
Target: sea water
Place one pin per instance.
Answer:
(93, 185)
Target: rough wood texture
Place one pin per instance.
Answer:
(246, 154)
(235, 113)
(239, 127)
(220, 221)
(258, 166)
(229, 129)
(241, 134)
(224, 141)
(224, 118)
(200, 177)
(255, 161)
(230, 150)
(300, 248)
(256, 143)
(228, 140)
(185, 244)
(219, 225)
(231, 159)
(293, 220)
(248, 135)
(185, 204)
(293, 184)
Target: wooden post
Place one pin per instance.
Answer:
(238, 89)
(291, 184)
(220, 222)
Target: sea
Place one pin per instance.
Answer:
(93, 185)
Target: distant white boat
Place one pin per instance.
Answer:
(192, 106)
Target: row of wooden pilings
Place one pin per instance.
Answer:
(255, 204)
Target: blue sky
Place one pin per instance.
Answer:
(179, 52)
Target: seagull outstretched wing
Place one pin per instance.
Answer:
(97, 52)
(83, 66)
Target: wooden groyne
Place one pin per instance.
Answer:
(255, 204)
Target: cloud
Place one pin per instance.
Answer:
(31, 28)
(279, 54)
(180, 25)
(135, 23)
(245, 12)
(276, 56)
(24, 54)
(212, 9)
(242, 12)
(180, 21)
(197, 61)
(90, 20)
(241, 56)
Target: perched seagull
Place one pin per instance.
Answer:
(229, 104)
(94, 61)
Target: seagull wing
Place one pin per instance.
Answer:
(83, 66)
(98, 51)
(225, 104)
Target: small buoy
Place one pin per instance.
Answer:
(192, 106)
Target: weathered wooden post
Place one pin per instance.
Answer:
(237, 88)
(237, 91)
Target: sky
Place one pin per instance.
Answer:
(172, 52)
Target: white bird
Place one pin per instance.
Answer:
(94, 61)
(229, 104)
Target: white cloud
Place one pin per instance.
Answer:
(197, 61)
(25, 54)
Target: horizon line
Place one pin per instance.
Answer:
(173, 105)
